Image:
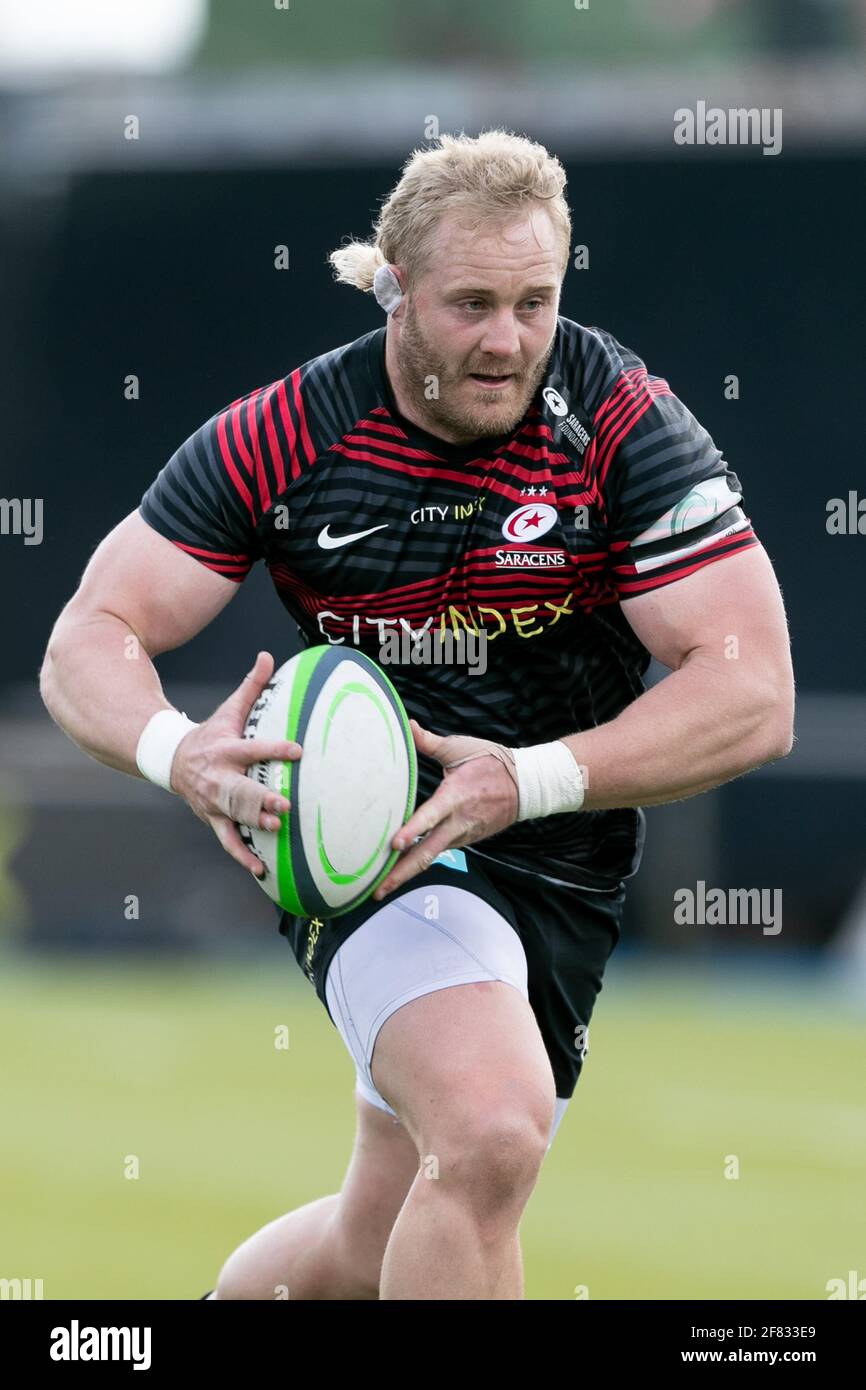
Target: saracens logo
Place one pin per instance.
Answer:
(577, 428)
(555, 401)
(529, 522)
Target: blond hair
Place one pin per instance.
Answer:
(488, 176)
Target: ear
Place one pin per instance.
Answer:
(399, 274)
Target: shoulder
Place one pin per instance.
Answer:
(288, 423)
(228, 474)
(592, 363)
(631, 407)
(595, 367)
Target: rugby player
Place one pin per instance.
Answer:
(478, 463)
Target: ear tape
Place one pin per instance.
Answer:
(386, 288)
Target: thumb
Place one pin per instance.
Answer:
(425, 741)
(241, 700)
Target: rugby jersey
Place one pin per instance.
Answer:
(608, 487)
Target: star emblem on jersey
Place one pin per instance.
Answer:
(555, 401)
(528, 522)
(329, 542)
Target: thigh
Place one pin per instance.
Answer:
(397, 987)
(460, 1060)
(427, 939)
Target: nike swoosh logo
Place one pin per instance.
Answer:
(328, 542)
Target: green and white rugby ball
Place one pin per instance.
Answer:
(352, 788)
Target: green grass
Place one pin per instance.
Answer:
(177, 1066)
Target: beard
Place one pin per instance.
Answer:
(488, 414)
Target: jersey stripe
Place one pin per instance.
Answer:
(628, 582)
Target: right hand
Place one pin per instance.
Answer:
(209, 769)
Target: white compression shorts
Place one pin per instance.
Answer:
(398, 954)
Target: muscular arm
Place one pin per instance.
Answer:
(139, 596)
(726, 707)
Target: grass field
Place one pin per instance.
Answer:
(177, 1066)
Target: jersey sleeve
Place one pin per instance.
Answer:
(672, 504)
(201, 500)
(213, 492)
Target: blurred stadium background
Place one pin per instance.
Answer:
(149, 1030)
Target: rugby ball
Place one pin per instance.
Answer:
(352, 788)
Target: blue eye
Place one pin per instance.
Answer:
(531, 304)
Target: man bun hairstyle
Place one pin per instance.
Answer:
(484, 178)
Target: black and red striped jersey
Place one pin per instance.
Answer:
(369, 525)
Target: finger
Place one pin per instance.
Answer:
(418, 858)
(276, 804)
(241, 700)
(243, 801)
(229, 837)
(270, 819)
(244, 751)
(425, 819)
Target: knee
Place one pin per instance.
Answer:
(240, 1280)
(232, 1284)
(490, 1153)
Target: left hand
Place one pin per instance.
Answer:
(477, 799)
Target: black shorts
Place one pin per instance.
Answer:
(567, 935)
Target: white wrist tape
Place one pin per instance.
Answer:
(549, 780)
(157, 745)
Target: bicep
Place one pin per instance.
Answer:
(145, 580)
(731, 609)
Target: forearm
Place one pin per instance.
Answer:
(701, 726)
(100, 686)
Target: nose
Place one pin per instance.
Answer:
(500, 337)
